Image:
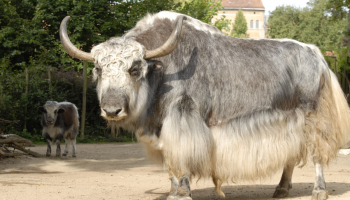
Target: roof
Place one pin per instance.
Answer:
(329, 53)
(236, 4)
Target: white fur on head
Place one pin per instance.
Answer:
(116, 55)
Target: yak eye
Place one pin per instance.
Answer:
(135, 68)
(98, 70)
(55, 111)
(134, 71)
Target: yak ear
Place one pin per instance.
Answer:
(61, 110)
(41, 109)
(154, 65)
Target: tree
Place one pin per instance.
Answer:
(223, 24)
(17, 31)
(203, 10)
(29, 28)
(340, 10)
(310, 25)
(239, 27)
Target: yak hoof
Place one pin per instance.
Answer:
(74, 155)
(280, 192)
(48, 155)
(184, 198)
(178, 198)
(64, 154)
(319, 195)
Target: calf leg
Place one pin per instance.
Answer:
(180, 188)
(65, 152)
(58, 149)
(282, 190)
(73, 142)
(319, 192)
(48, 150)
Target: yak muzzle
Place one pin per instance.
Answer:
(112, 113)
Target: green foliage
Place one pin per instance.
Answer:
(239, 27)
(310, 25)
(203, 10)
(29, 28)
(223, 24)
(18, 33)
(338, 9)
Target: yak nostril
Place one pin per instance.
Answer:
(112, 113)
(118, 111)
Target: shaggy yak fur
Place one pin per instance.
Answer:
(220, 107)
(60, 120)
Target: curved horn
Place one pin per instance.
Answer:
(170, 44)
(68, 46)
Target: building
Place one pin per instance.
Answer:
(253, 11)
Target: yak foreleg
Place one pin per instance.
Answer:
(319, 192)
(282, 190)
(180, 187)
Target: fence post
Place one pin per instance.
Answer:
(113, 130)
(25, 109)
(82, 124)
(49, 76)
(335, 68)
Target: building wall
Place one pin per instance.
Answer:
(255, 15)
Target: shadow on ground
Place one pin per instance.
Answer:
(90, 157)
(251, 192)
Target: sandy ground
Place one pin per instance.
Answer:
(122, 171)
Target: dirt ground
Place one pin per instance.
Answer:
(122, 171)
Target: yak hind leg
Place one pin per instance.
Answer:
(319, 192)
(218, 184)
(282, 190)
(180, 188)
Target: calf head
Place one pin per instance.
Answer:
(50, 112)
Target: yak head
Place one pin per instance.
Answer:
(121, 68)
(50, 112)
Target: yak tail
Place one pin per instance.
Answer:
(330, 124)
(341, 107)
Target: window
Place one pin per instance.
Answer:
(251, 24)
(257, 24)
